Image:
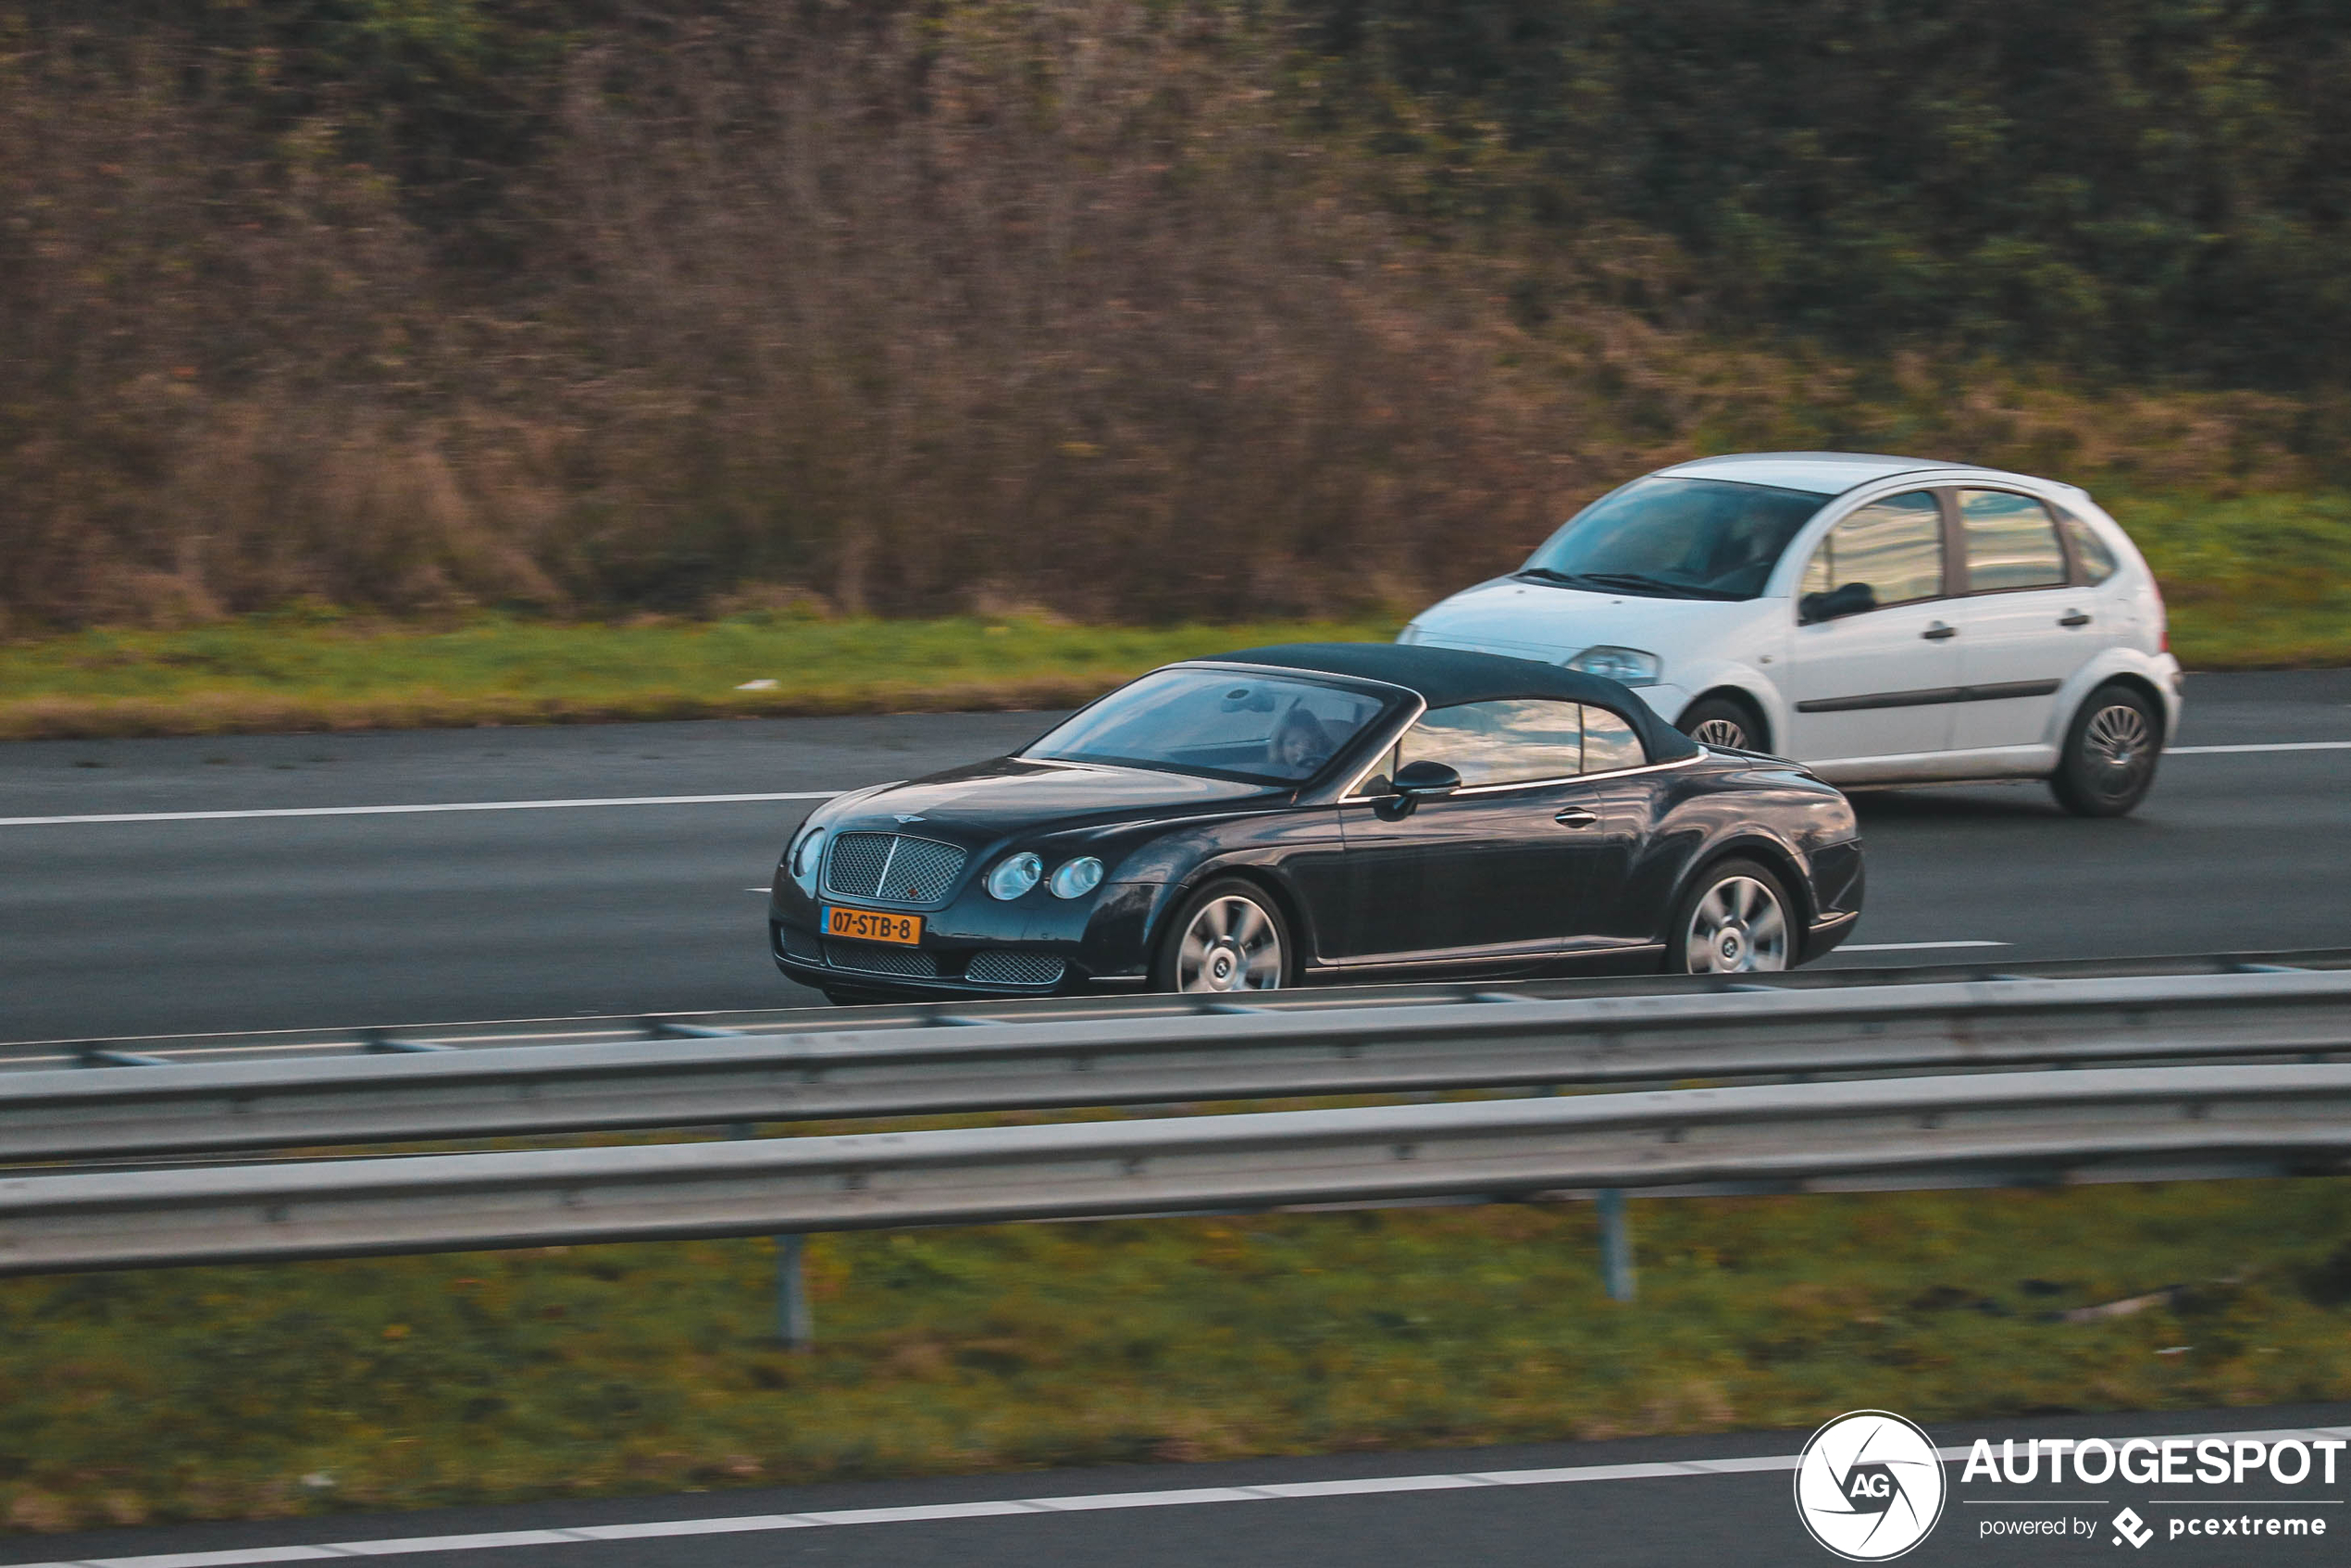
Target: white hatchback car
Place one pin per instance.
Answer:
(1883, 620)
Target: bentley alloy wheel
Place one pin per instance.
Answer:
(1738, 923)
(1227, 938)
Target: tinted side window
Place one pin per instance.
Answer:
(1888, 553)
(1610, 743)
(1510, 743)
(2010, 542)
(2090, 551)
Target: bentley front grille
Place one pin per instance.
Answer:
(896, 866)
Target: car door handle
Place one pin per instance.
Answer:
(1937, 632)
(1576, 816)
(2073, 617)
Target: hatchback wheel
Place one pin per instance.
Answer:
(1733, 921)
(1721, 722)
(2108, 764)
(1227, 936)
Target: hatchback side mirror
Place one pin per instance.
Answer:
(1853, 599)
(1418, 782)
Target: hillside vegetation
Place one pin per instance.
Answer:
(1122, 310)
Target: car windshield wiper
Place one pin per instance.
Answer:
(1547, 575)
(1659, 585)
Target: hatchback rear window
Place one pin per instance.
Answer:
(2090, 551)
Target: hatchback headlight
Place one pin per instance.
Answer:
(1626, 666)
(1014, 875)
(1076, 879)
(802, 860)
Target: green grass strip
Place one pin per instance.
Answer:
(2253, 582)
(267, 1391)
(309, 672)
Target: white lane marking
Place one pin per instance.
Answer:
(732, 800)
(1895, 947)
(1273, 1491)
(409, 811)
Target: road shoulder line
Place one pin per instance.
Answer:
(1278, 1491)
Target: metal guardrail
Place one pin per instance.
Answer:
(2133, 1124)
(695, 1075)
(296, 1044)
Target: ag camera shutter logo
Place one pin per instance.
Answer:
(1869, 1486)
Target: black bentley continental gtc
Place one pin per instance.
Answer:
(1321, 813)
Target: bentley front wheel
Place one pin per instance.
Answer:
(1228, 937)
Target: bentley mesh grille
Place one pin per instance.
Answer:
(892, 866)
(872, 958)
(855, 864)
(801, 945)
(998, 968)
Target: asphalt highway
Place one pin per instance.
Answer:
(1678, 1501)
(179, 922)
(330, 901)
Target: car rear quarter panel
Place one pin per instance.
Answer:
(1761, 807)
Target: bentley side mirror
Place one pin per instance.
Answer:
(1418, 782)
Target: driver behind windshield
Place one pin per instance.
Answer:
(1300, 744)
(1270, 728)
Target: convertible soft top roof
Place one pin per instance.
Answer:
(1447, 675)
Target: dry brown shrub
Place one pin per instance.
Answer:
(1055, 307)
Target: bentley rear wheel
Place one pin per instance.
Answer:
(1733, 921)
(1227, 936)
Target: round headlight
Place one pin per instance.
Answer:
(806, 856)
(1076, 879)
(1014, 875)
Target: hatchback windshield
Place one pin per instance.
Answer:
(1239, 725)
(1675, 539)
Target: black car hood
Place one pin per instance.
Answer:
(1009, 794)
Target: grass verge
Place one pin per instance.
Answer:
(2254, 583)
(270, 1392)
(302, 672)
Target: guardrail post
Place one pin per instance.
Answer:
(795, 1325)
(1616, 1244)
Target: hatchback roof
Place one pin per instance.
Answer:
(1823, 473)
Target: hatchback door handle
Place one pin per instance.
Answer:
(2073, 617)
(1576, 816)
(1936, 631)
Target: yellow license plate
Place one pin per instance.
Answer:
(872, 925)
